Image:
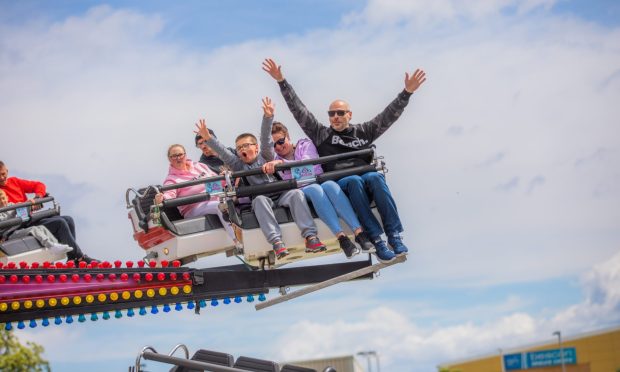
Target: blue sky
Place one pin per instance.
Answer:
(504, 165)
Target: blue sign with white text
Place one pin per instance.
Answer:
(552, 357)
(513, 362)
(543, 358)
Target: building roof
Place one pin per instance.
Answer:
(517, 349)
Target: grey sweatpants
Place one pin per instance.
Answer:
(292, 199)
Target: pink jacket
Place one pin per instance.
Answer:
(196, 171)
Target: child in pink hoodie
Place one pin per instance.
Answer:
(182, 170)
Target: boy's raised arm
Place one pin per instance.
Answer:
(266, 142)
(222, 151)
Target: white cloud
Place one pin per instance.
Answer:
(403, 343)
(95, 99)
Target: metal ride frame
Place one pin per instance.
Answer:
(54, 291)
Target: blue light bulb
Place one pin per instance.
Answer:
(142, 310)
(57, 320)
(190, 305)
(202, 304)
(105, 315)
(130, 313)
(8, 327)
(238, 300)
(250, 298)
(118, 314)
(166, 308)
(45, 322)
(81, 318)
(226, 300)
(154, 309)
(33, 323)
(261, 297)
(94, 317)
(69, 319)
(178, 306)
(214, 302)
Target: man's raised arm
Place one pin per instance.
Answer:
(308, 123)
(380, 123)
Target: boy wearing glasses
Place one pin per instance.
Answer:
(249, 157)
(341, 136)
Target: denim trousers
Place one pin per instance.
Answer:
(330, 203)
(361, 191)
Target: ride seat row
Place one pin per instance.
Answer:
(242, 363)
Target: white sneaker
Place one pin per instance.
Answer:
(60, 248)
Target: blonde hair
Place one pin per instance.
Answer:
(173, 146)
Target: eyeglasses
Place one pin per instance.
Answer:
(331, 113)
(176, 156)
(280, 142)
(244, 146)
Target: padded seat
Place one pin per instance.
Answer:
(198, 224)
(12, 247)
(257, 365)
(208, 356)
(292, 368)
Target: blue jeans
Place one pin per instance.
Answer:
(361, 190)
(330, 202)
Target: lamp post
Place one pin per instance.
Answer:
(559, 334)
(501, 359)
(369, 354)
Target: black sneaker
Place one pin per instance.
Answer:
(87, 259)
(364, 242)
(347, 246)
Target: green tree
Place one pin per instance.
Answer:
(16, 357)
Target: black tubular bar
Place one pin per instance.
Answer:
(191, 183)
(188, 363)
(42, 200)
(11, 222)
(335, 175)
(266, 188)
(322, 160)
(184, 200)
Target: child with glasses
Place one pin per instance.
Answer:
(340, 137)
(249, 156)
(328, 199)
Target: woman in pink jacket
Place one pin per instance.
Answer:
(183, 169)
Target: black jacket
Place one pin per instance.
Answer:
(355, 137)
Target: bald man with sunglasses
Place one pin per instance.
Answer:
(341, 136)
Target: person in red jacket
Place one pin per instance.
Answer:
(62, 227)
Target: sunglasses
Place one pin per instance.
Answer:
(280, 142)
(244, 146)
(331, 113)
(176, 156)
